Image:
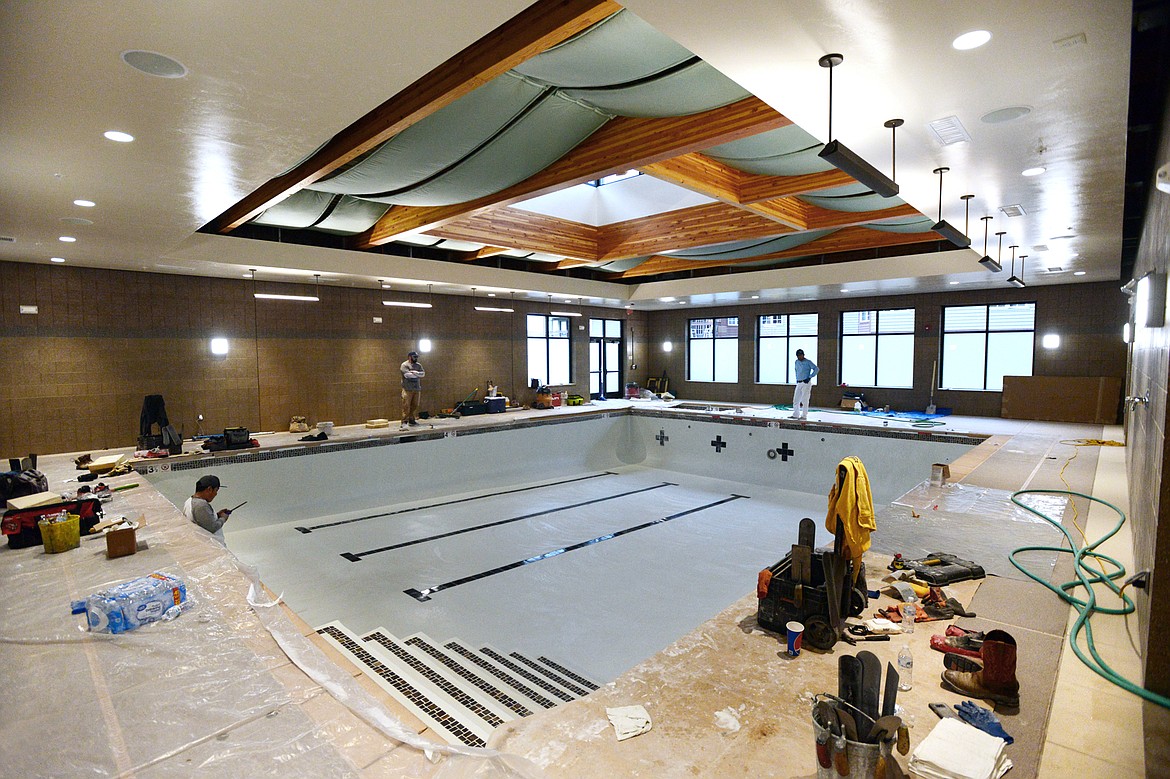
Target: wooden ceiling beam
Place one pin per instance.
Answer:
(753, 188)
(524, 230)
(686, 228)
(487, 251)
(845, 240)
(822, 218)
(621, 144)
(541, 26)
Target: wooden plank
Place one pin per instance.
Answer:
(524, 230)
(621, 144)
(753, 188)
(698, 173)
(848, 239)
(541, 26)
(822, 218)
(685, 228)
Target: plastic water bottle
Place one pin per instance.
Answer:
(905, 668)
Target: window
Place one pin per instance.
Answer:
(778, 337)
(713, 350)
(605, 357)
(548, 349)
(877, 348)
(982, 344)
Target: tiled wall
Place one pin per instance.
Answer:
(75, 373)
(1088, 317)
(1149, 487)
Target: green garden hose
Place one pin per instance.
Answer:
(1087, 576)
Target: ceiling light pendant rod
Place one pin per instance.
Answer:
(845, 159)
(966, 213)
(985, 260)
(942, 227)
(831, 61)
(894, 124)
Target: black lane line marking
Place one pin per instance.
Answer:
(451, 502)
(356, 557)
(424, 594)
(785, 452)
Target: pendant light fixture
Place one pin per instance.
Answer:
(986, 260)
(942, 227)
(843, 158)
(495, 309)
(275, 296)
(402, 303)
(1013, 279)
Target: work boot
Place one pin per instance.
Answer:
(967, 644)
(996, 681)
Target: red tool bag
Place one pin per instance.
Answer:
(20, 525)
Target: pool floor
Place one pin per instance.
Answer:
(597, 570)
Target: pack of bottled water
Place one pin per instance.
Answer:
(131, 604)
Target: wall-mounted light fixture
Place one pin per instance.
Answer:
(277, 296)
(219, 346)
(843, 158)
(944, 228)
(424, 345)
(1050, 341)
(986, 260)
(667, 346)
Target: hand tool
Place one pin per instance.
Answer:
(871, 682)
(890, 694)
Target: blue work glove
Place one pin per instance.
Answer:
(984, 719)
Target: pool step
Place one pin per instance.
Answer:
(460, 692)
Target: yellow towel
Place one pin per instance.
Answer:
(853, 503)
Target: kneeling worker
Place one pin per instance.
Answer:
(198, 507)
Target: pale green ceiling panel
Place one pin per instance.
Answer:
(621, 266)
(737, 250)
(918, 225)
(787, 151)
(544, 134)
(351, 216)
(618, 50)
(297, 211)
(437, 142)
(867, 201)
(688, 89)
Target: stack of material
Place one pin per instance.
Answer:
(956, 750)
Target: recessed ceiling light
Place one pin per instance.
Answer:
(67, 239)
(76, 220)
(1032, 171)
(56, 259)
(667, 300)
(1006, 114)
(952, 283)
(971, 40)
(117, 135)
(1079, 273)
(154, 64)
(84, 203)
(844, 290)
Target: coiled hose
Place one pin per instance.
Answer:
(1089, 566)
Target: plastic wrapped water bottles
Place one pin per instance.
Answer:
(905, 668)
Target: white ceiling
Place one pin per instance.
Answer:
(269, 83)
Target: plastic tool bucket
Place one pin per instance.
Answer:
(863, 758)
(61, 536)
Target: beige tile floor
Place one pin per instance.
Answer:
(1096, 728)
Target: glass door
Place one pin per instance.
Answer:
(605, 358)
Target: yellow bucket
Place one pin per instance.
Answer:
(61, 536)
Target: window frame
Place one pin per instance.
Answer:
(715, 350)
(986, 332)
(547, 338)
(878, 335)
(787, 350)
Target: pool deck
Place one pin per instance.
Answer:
(216, 693)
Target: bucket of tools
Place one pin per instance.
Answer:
(838, 753)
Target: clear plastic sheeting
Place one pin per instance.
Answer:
(232, 687)
(980, 524)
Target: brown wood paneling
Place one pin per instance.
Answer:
(524, 229)
(682, 229)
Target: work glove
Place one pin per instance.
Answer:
(984, 719)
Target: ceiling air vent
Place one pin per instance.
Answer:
(7, 239)
(1039, 248)
(949, 130)
(1013, 210)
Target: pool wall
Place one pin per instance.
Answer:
(294, 483)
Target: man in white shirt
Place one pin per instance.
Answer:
(198, 507)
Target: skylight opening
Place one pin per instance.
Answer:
(614, 177)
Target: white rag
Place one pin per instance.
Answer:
(956, 750)
(628, 721)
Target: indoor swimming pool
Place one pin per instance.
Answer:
(597, 540)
